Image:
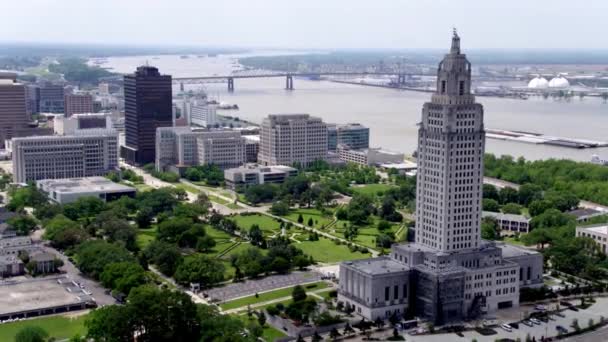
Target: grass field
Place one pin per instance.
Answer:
(319, 220)
(511, 240)
(326, 250)
(266, 296)
(59, 327)
(367, 234)
(270, 334)
(187, 187)
(267, 224)
(371, 189)
(145, 236)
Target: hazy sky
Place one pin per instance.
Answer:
(310, 23)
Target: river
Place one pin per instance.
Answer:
(390, 114)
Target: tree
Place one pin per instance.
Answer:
(144, 217)
(360, 208)
(123, 276)
(203, 202)
(93, 256)
(31, 334)
(205, 244)
(507, 195)
(279, 208)
(255, 235)
(250, 261)
(200, 269)
(490, 205)
(300, 219)
(164, 255)
(298, 293)
(384, 241)
(301, 262)
(489, 229)
(22, 224)
(261, 319)
(529, 192)
(512, 208)
(84, 207)
(219, 327)
(310, 222)
(172, 229)
(383, 225)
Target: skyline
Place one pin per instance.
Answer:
(353, 24)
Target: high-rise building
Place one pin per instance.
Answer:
(180, 147)
(453, 273)
(13, 107)
(147, 106)
(286, 139)
(52, 98)
(32, 92)
(78, 104)
(353, 136)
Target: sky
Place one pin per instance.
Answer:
(323, 24)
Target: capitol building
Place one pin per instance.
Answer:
(559, 82)
(449, 273)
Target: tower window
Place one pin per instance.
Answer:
(461, 88)
(443, 87)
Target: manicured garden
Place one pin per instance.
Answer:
(59, 327)
(270, 334)
(319, 220)
(325, 250)
(268, 225)
(371, 189)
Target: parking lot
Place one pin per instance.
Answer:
(250, 287)
(595, 311)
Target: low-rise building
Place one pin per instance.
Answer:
(10, 266)
(585, 214)
(77, 103)
(44, 262)
(181, 147)
(598, 232)
(510, 222)
(64, 125)
(203, 114)
(403, 168)
(369, 156)
(256, 174)
(352, 135)
(69, 190)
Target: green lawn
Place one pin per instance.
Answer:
(511, 240)
(187, 187)
(145, 236)
(267, 224)
(371, 189)
(270, 333)
(59, 327)
(319, 220)
(367, 234)
(218, 200)
(141, 187)
(266, 296)
(326, 250)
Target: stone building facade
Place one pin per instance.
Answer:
(449, 272)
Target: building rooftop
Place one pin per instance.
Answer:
(380, 265)
(507, 217)
(15, 241)
(38, 294)
(9, 260)
(585, 212)
(597, 228)
(510, 251)
(87, 184)
(406, 165)
(261, 168)
(42, 256)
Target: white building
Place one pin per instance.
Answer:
(369, 156)
(203, 114)
(286, 139)
(63, 125)
(69, 190)
(85, 154)
(598, 232)
(182, 147)
(254, 174)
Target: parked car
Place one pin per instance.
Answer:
(560, 314)
(514, 325)
(540, 307)
(535, 321)
(573, 308)
(506, 327)
(490, 322)
(528, 323)
(561, 329)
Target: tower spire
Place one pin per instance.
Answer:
(455, 43)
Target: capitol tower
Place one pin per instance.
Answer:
(450, 160)
(448, 273)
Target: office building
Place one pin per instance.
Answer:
(252, 148)
(369, 156)
(63, 125)
(449, 273)
(510, 223)
(69, 190)
(147, 106)
(32, 92)
(203, 114)
(286, 139)
(52, 98)
(597, 232)
(585, 214)
(253, 174)
(78, 104)
(353, 135)
(86, 153)
(180, 147)
(13, 106)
